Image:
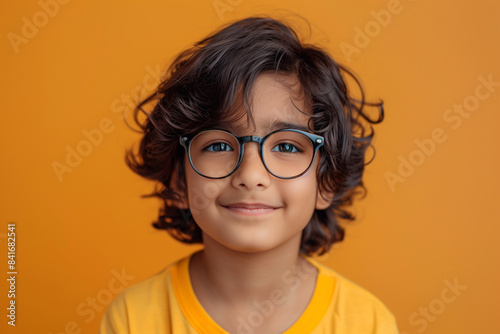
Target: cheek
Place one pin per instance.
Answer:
(300, 194)
(201, 191)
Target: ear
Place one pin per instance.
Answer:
(323, 199)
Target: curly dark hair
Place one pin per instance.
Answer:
(206, 83)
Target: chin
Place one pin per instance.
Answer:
(251, 246)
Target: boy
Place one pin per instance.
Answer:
(258, 148)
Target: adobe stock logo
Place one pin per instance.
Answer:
(94, 137)
(222, 6)
(30, 28)
(429, 313)
(452, 117)
(372, 29)
(93, 305)
(264, 309)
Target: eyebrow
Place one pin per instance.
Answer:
(274, 126)
(280, 125)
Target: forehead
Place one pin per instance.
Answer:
(276, 101)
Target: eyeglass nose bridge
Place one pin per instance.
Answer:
(248, 139)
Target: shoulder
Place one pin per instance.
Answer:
(140, 302)
(353, 305)
(347, 293)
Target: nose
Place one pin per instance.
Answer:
(251, 174)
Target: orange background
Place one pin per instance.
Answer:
(75, 233)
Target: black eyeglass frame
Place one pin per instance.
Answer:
(316, 140)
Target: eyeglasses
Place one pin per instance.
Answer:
(286, 154)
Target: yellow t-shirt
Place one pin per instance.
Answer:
(166, 303)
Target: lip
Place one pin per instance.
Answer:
(249, 209)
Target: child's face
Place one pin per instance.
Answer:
(251, 210)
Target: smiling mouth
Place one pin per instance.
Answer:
(250, 209)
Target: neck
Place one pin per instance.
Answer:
(240, 277)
